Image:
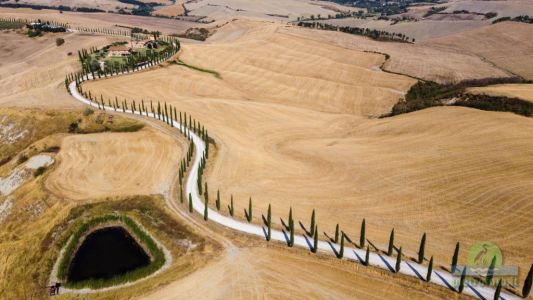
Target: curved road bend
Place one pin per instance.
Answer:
(376, 259)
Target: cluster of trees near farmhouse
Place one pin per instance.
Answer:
(91, 65)
(169, 114)
(374, 34)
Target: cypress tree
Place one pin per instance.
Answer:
(291, 227)
(190, 203)
(315, 239)
(290, 215)
(490, 271)
(362, 237)
(398, 260)
(206, 208)
(527, 283)
(430, 270)
(337, 233)
(455, 257)
(498, 290)
(218, 200)
(181, 195)
(462, 281)
(230, 207)
(367, 256)
(269, 222)
(249, 214)
(422, 249)
(206, 193)
(341, 250)
(391, 243)
(312, 226)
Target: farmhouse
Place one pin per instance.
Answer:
(143, 44)
(119, 51)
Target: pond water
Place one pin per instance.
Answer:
(106, 253)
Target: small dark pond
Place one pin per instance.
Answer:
(106, 253)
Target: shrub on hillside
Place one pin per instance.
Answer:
(59, 42)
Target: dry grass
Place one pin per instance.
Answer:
(427, 171)
(508, 45)
(419, 60)
(99, 165)
(103, 20)
(522, 91)
(511, 8)
(420, 30)
(274, 273)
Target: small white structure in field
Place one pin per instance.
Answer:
(142, 44)
(119, 51)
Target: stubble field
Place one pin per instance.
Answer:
(446, 173)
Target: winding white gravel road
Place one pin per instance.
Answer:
(439, 277)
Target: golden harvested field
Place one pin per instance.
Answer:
(522, 91)
(107, 5)
(170, 10)
(273, 273)
(33, 70)
(102, 20)
(418, 60)
(315, 150)
(421, 30)
(508, 45)
(115, 164)
(274, 9)
(510, 8)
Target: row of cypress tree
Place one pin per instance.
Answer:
(162, 113)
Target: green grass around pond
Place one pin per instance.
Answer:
(157, 255)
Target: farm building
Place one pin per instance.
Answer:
(119, 51)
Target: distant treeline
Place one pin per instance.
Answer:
(379, 35)
(425, 94)
(523, 19)
(59, 7)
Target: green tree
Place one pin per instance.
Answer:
(398, 260)
(430, 270)
(217, 203)
(341, 249)
(290, 214)
(367, 256)
(190, 203)
(206, 208)
(362, 237)
(462, 281)
(422, 249)
(269, 222)
(230, 207)
(527, 283)
(337, 231)
(291, 228)
(206, 192)
(490, 271)
(455, 257)
(498, 290)
(391, 243)
(249, 214)
(312, 226)
(315, 239)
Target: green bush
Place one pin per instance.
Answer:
(59, 42)
(88, 111)
(157, 255)
(39, 171)
(22, 158)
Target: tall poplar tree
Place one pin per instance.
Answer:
(391, 243)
